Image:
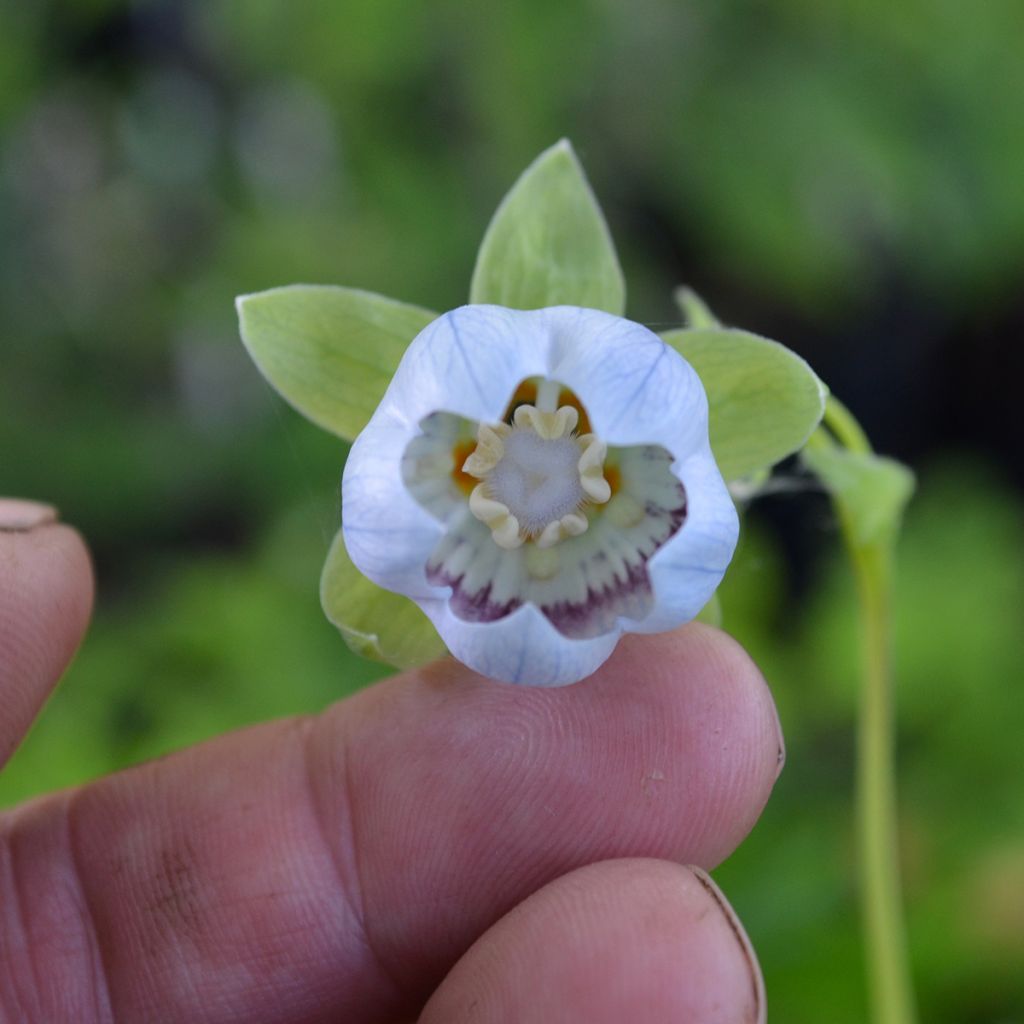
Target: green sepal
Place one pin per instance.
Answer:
(764, 401)
(329, 351)
(374, 622)
(548, 243)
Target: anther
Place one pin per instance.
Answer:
(503, 525)
(548, 425)
(571, 525)
(488, 452)
(591, 467)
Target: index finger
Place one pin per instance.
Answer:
(338, 867)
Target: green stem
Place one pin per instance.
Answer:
(891, 991)
(847, 430)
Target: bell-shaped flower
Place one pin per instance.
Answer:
(540, 482)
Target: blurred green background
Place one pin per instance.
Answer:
(846, 178)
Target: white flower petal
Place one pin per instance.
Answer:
(428, 465)
(520, 648)
(467, 362)
(635, 388)
(688, 569)
(388, 535)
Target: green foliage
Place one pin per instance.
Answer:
(548, 243)
(764, 400)
(328, 350)
(871, 490)
(375, 623)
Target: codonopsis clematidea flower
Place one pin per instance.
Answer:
(539, 483)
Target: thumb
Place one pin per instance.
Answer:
(46, 590)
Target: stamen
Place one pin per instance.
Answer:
(488, 452)
(504, 526)
(548, 425)
(591, 467)
(571, 525)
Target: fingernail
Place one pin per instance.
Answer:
(756, 979)
(18, 515)
(780, 760)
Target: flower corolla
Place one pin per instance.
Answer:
(540, 482)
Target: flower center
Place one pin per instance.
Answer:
(537, 477)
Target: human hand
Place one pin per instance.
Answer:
(437, 848)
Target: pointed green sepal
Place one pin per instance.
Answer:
(329, 351)
(548, 243)
(375, 623)
(764, 400)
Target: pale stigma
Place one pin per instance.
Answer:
(537, 477)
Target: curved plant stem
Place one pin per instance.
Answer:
(890, 988)
(847, 430)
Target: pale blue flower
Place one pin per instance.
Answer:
(539, 483)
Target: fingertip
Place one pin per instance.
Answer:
(732, 662)
(46, 595)
(619, 940)
(736, 737)
(56, 573)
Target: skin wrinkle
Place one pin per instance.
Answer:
(177, 897)
(103, 1006)
(514, 754)
(65, 974)
(178, 901)
(451, 734)
(241, 898)
(9, 875)
(346, 868)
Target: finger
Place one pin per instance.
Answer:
(45, 599)
(348, 861)
(624, 940)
